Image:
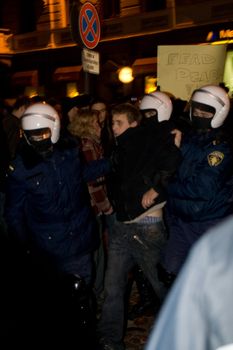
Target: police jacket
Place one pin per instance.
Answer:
(144, 158)
(202, 188)
(48, 205)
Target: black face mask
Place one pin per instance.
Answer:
(201, 124)
(150, 121)
(40, 141)
(44, 147)
(150, 117)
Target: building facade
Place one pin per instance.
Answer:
(41, 49)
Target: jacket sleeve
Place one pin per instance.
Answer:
(202, 190)
(169, 163)
(166, 165)
(96, 168)
(15, 208)
(97, 188)
(203, 178)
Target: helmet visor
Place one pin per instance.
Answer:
(148, 113)
(38, 134)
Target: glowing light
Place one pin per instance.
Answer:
(150, 84)
(30, 91)
(125, 75)
(71, 90)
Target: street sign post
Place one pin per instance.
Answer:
(90, 61)
(85, 30)
(89, 25)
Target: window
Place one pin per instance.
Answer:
(30, 11)
(110, 8)
(153, 5)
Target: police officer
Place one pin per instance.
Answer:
(50, 220)
(200, 194)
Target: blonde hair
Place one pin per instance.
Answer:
(82, 124)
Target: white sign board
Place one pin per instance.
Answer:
(90, 61)
(184, 68)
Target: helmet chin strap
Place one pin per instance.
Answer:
(26, 138)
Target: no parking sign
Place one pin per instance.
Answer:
(89, 25)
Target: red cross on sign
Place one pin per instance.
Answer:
(89, 25)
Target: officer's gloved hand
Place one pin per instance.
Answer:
(81, 303)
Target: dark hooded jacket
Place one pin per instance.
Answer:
(145, 157)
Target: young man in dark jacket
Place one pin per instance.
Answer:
(144, 160)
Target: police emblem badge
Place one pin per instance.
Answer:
(215, 158)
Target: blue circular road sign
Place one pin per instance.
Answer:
(89, 25)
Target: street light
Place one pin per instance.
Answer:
(125, 75)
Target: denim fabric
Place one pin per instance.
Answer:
(129, 244)
(99, 260)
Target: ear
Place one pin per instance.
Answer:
(133, 124)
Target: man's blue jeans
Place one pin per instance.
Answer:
(129, 244)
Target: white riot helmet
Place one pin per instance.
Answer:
(40, 116)
(213, 97)
(158, 101)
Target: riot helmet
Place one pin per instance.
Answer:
(156, 104)
(209, 107)
(41, 126)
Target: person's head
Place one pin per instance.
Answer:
(209, 107)
(85, 124)
(156, 105)
(76, 104)
(125, 116)
(101, 109)
(56, 104)
(20, 106)
(41, 127)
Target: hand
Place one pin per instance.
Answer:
(177, 137)
(148, 198)
(109, 211)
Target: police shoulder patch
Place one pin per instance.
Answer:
(215, 158)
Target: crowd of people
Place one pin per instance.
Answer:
(95, 195)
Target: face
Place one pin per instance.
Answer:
(72, 114)
(197, 112)
(201, 117)
(148, 113)
(101, 109)
(96, 127)
(40, 140)
(120, 124)
(58, 108)
(38, 134)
